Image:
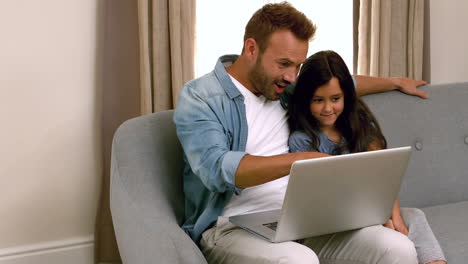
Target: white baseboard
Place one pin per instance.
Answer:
(71, 251)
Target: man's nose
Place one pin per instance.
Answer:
(290, 75)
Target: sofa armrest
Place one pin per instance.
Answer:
(146, 195)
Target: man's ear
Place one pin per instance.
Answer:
(251, 49)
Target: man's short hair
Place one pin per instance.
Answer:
(278, 16)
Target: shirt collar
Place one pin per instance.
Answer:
(223, 76)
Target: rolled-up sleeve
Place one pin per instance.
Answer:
(206, 141)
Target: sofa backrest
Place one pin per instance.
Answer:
(437, 129)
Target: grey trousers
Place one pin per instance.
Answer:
(227, 243)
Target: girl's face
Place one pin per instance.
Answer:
(327, 103)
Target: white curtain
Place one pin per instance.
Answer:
(390, 38)
(167, 47)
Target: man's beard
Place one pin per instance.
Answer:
(262, 82)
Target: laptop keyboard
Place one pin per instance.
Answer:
(272, 226)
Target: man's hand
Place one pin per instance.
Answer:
(370, 85)
(410, 86)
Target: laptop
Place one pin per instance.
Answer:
(333, 194)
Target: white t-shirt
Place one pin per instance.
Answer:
(268, 134)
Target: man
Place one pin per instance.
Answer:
(234, 134)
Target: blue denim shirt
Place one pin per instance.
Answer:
(212, 129)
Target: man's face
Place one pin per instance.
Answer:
(279, 64)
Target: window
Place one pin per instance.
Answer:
(220, 28)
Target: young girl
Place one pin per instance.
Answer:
(325, 115)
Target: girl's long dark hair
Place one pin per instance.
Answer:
(356, 123)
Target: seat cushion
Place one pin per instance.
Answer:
(449, 223)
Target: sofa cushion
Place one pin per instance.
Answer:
(449, 223)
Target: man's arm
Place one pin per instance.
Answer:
(273, 167)
(255, 170)
(206, 145)
(369, 85)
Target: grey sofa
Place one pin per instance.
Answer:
(146, 185)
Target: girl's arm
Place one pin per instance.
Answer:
(396, 221)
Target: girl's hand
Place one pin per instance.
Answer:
(396, 221)
(399, 225)
(389, 224)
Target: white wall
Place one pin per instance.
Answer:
(50, 141)
(447, 56)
